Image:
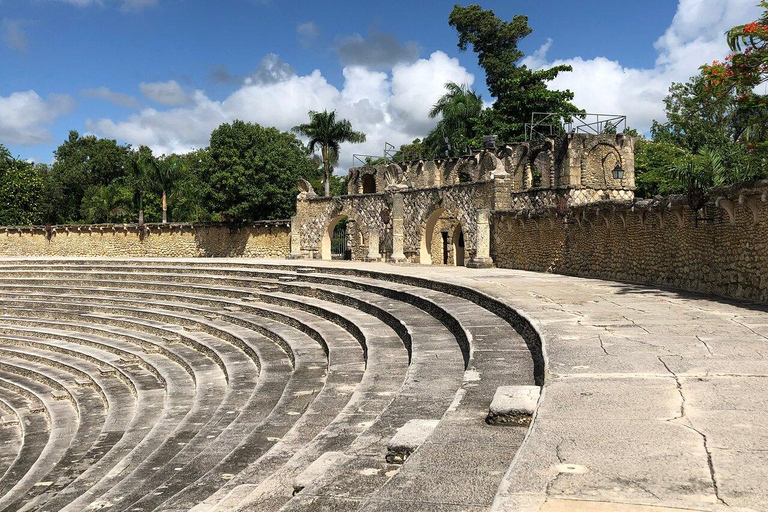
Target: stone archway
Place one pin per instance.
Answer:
(429, 244)
(325, 242)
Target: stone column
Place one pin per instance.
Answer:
(398, 234)
(295, 239)
(482, 257)
(527, 176)
(373, 246)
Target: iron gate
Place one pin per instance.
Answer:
(339, 249)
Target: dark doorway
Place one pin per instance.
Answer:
(369, 184)
(445, 247)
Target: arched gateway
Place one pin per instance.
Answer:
(395, 211)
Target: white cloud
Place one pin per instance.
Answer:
(416, 87)
(165, 93)
(695, 37)
(116, 98)
(25, 116)
(386, 107)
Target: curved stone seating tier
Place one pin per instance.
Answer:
(220, 386)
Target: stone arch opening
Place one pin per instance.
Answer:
(369, 184)
(327, 245)
(458, 246)
(440, 237)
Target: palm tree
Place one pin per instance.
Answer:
(325, 131)
(137, 177)
(105, 203)
(165, 172)
(459, 107)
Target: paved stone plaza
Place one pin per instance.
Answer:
(249, 379)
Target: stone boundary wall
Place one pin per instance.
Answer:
(660, 242)
(266, 239)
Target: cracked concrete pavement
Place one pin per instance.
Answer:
(654, 399)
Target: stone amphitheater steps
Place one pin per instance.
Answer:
(64, 427)
(252, 412)
(379, 329)
(181, 394)
(133, 400)
(117, 394)
(352, 397)
(100, 427)
(431, 363)
(11, 435)
(32, 431)
(312, 344)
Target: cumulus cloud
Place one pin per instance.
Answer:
(25, 116)
(383, 105)
(165, 93)
(377, 51)
(695, 37)
(272, 69)
(116, 98)
(13, 34)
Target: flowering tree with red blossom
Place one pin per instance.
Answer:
(741, 73)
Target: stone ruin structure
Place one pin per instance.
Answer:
(439, 212)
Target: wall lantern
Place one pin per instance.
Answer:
(618, 172)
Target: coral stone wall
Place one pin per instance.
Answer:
(718, 254)
(260, 240)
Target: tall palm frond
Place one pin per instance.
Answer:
(327, 133)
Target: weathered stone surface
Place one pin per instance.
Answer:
(317, 469)
(513, 404)
(408, 439)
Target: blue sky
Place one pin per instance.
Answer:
(166, 72)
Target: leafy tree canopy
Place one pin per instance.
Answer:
(21, 191)
(253, 171)
(519, 91)
(82, 162)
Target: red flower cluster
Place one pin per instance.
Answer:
(751, 28)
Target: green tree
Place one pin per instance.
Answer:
(82, 162)
(740, 74)
(188, 199)
(325, 132)
(164, 173)
(519, 91)
(459, 110)
(654, 161)
(137, 178)
(21, 191)
(253, 170)
(106, 203)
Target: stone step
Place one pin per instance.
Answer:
(56, 439)
(33, 431)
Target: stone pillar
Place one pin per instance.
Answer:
(373, 246)
(398, 234)
(295, 239)
(482, 257)
(527, 176)
(502, 191)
